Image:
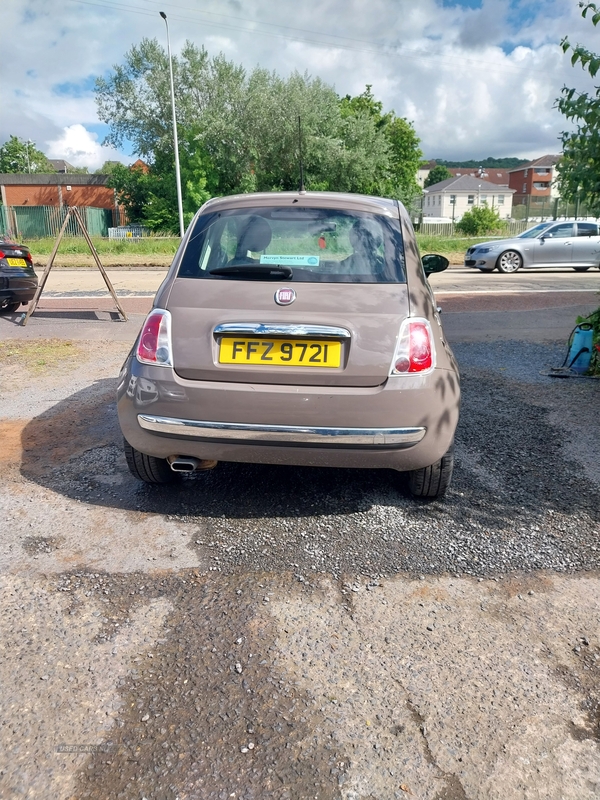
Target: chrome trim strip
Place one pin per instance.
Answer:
(282, 434)
(276, 329)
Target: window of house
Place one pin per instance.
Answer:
(428, 199)
(500, 199)
(541, 171)
(525, 173)
(541, 185)
(524, 188)
(483, 198)
(452, 199)
(471, 199)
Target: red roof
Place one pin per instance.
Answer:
(543, 161)
(489, 174)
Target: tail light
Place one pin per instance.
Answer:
(18, 253)
(154, 344)
(415, 350)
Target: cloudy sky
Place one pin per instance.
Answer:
(476, 77)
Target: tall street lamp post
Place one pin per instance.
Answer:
(175, 142)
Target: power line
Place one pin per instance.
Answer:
(414, 55)
(267, 24)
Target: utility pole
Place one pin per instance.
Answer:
(175, 141)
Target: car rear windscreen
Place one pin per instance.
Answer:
(299, 244)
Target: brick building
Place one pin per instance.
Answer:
(57, 189)
(533, 182)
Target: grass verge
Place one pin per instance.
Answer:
(37, 355)
(453, 247)
(76, 245)
(168, 245)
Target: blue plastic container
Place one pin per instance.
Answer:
(580, 352)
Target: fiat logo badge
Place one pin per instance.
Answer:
(283, 297)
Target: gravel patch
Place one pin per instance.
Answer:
(524, 495)
(262, 631)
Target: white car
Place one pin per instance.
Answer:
(568, 243)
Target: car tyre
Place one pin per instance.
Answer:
(508, 262)
(148, 468)
(9, 308)
(431, 482)
(581, 269)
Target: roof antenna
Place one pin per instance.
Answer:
(302, 187)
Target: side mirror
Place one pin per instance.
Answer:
(433, 262)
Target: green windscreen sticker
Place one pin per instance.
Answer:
(291, 261)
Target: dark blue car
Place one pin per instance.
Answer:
(18, 281)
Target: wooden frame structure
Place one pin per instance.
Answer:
(72, 212)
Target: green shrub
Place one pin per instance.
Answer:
(480, 221)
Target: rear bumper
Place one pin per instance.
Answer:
(405, 424)
(20, 290)
(282, 434)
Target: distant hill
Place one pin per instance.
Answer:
(486, 163)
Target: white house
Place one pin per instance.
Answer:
(452, 197)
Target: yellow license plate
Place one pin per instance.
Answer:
(17, 262)
(280, 352)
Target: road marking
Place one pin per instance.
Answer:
(99, 296)
(469, 290)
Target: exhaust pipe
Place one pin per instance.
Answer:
(190, 464)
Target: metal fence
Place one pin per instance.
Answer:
(37, 222)
(436, 228)
(511, 228)
(128, 232)
(549, 210)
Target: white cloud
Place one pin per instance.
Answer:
(476, 82)
(81, 148)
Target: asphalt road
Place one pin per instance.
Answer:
(295, 633)
(139, 281)
(463, 279)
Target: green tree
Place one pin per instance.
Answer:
(480, 221)
(365, 103)
(239, 131)
(404, 153)
(485, 163)
(18, 155)
(150, 198)
(438, 174)
(406, 157)
(108, 168)
(579, 167)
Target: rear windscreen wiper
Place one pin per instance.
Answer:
(260, 270)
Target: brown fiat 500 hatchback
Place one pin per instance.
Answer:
(294, 328)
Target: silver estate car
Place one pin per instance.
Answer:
(568, 243)
(294, 328)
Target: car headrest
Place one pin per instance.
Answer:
(255, 235)
(366, 234)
